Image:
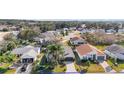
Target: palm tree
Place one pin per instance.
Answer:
(56, 53)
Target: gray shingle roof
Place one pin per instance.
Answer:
(68, 52)
(25, 49)
(115, 49)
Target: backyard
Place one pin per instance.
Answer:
(101, 47)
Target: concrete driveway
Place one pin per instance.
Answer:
(107, 68)
(28, 69)
(71, 68)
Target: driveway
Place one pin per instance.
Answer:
(104, 64)
(28, 69)
(71, 68)
(107, 68)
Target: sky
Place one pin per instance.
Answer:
(61, 9)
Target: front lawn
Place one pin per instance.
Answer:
(12, 71)
(4, 67)
(117, 68)
(92, 68)
(59, 69)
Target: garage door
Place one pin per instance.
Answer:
(100, 58)
(69, 59)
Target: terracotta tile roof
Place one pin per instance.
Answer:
(74, 38)
(84, 49)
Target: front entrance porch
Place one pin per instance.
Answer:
(27, 60)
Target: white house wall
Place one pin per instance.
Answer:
(110, 54)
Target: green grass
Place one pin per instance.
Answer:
(92, 68)
(101, 47)
(59, 69)
(83, 66)
(3, 67)
(12, 71)
(116, 68)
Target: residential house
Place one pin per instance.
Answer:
(110, 31)
(77, 41)
(65, 29)
(68, 54)
(121, 30)
(13, 28)
(51, 35)
(40, 41)
(84, 31)
(100, 30)
(2, 27)
(27, 54)
(72, 28)
(87, 52)
(115, 51)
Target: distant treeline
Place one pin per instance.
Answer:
(53, 25)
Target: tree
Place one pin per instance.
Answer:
(55, 53)
(5, 29)
(11, 45)
(28, 34)
(66, 33)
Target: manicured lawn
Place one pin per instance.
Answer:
(3, 67)
(83, 66)
(101, 47)
(93, 68)
(117, 68)
(59, 69)
(12, 71)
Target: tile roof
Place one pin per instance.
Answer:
(75, 38)
(86, 48)
(83, 49)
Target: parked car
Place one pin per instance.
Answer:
(23, 69)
